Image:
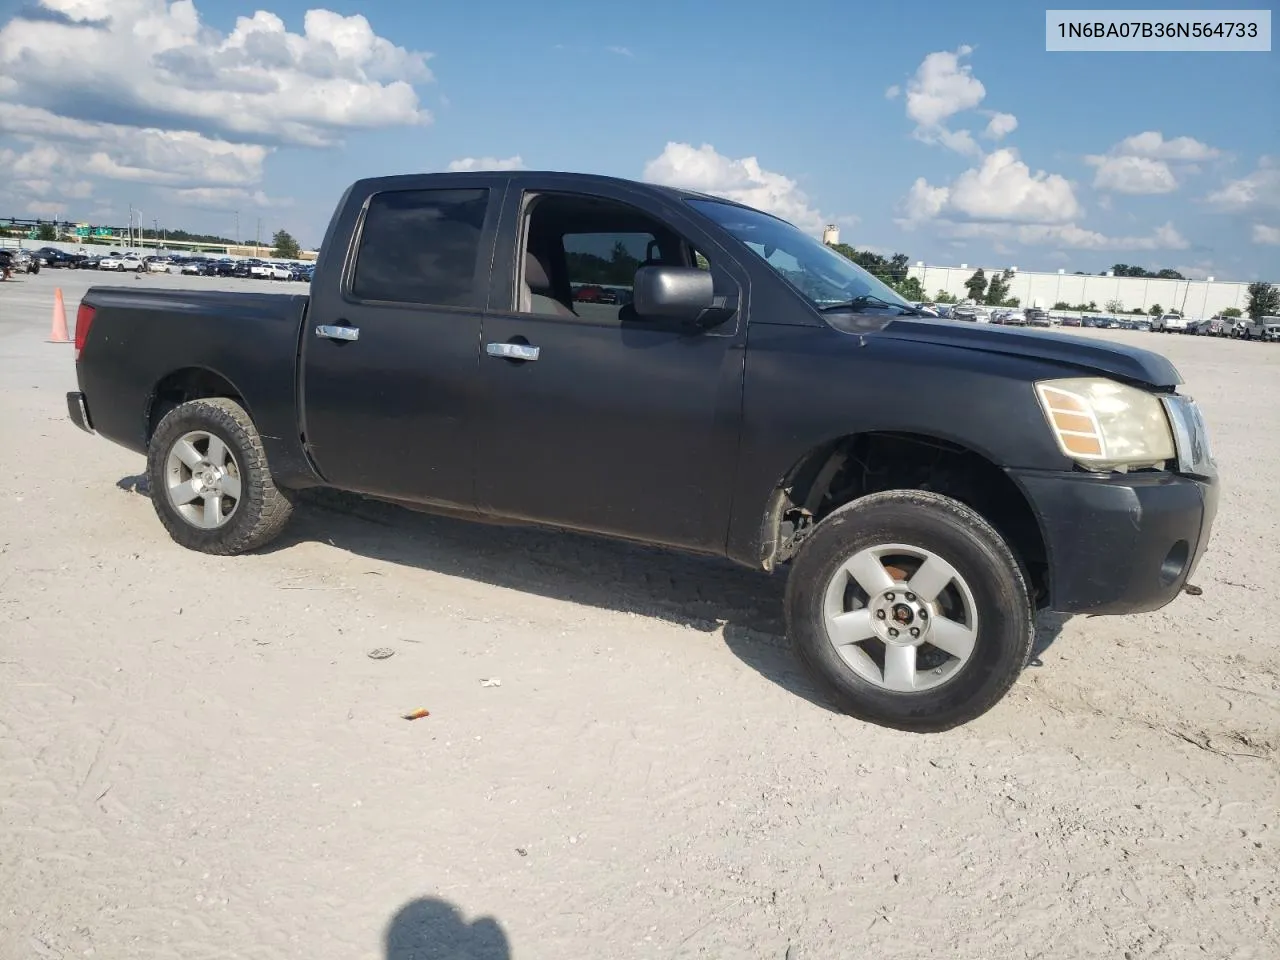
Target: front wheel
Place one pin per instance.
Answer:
(910, 610)
(209, 481)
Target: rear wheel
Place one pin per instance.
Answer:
(209, 480)
(910, 610)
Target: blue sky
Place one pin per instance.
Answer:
(1159, 159)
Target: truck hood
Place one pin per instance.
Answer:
(1112, 359)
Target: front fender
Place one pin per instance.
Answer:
(806, 388)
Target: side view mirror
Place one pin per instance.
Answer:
(680, 293)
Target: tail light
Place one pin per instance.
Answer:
(84, 320)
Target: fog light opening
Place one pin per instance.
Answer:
(1175, 562)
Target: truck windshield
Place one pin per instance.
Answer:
(826, 278)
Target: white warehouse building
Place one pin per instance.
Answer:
(1192, 298)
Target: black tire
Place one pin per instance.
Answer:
(263, 508)
(954, 532)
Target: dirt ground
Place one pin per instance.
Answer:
(199, 759)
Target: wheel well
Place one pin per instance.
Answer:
(192, 383)
(854, 466)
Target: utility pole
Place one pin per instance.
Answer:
(237, 228)
(258, 238)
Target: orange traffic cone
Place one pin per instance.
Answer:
(59, 332)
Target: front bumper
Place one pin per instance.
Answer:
(78, 411)
(1120, 543)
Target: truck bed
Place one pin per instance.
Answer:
(146, 345)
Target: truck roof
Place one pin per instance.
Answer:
(583, 179)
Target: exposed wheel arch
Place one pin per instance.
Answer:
(189, 383)
(846, 468)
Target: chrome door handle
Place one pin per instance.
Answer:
(331, 332)
(512, 351)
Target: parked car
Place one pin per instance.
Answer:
(53, 258)
(19, 261)
(921, 527)
(1037, 318)
(971, 312)
(1264, 328)
(1169, 323)
(112, 261)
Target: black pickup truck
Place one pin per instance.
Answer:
(747, 392)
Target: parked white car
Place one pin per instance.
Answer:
(274, 271)
(1264, 328)
(121, 261)
(1169, 323)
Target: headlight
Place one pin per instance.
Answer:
(1103, 425)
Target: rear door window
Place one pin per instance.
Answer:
(422, 246)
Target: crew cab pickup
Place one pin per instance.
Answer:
(1170, 323)
(1264, 328)
(748, 393)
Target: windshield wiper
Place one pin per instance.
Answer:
(868, 300)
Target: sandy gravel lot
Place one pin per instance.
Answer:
(199, 760)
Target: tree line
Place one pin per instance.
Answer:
(993, 291)
(284, 246)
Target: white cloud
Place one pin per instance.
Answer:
(943, 87)
(156, 59)
(224, 198)
(961, 141)
(1265, 234)
(143, 91)
(924, 201)
(620, 51)
(1066, 235)
(1141, 164)
(1261, 188)
(1003, 188)
(1004, 202)
(1001, 125)
(1135, 175)
(893, 92)
(486, 163)
(39, 188)
(743, 180)
(1154, 146)
(118, 152)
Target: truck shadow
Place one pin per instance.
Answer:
(706, 594)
